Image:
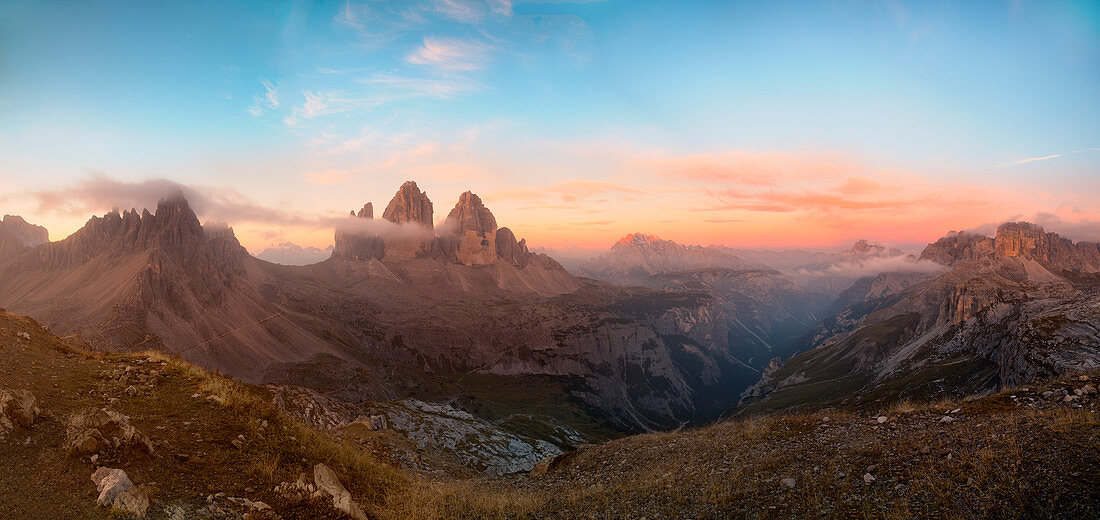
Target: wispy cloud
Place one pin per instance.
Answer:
(395, 87)
(263, 102)
(460, 10)
(1030, 160)
(450, 54)
(325, 103)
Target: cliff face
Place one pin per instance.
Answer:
(410, 205)
(474, 230)
(469, 236)
(1022, 239)
(1021, 306)
(1016, 240)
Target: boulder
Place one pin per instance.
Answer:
(104, 431)
(323, 484)
(17, 410)
(118, 492)
(327, 482)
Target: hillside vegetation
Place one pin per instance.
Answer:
(1024, 453)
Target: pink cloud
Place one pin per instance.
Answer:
(450, 54)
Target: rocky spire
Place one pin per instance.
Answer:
(510, 250)
(409, 205)
(474, 228)
(470, 214)
(366, 212)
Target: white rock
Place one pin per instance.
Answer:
(881, 419)
(116, 490)
(110, 483)
(868, 478)
(329, 484)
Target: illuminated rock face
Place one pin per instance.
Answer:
(474, 229)
(1016, 240)
(1027, 240)
(409, 205)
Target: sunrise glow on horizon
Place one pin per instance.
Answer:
(747, 124)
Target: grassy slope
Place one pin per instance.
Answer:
(40, 480)
(999, 459)
(1006, 460)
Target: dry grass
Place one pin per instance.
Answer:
(384, 491)
(1006, 460)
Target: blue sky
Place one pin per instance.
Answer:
(713, 122)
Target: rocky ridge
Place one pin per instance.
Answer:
(637, 256)
(1016, 240)
(17, 235)
(1010, 310)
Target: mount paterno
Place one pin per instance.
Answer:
(1006, 310)
(399, 304)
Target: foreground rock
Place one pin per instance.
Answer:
(17, 410)
(118, 492)
(324, 484)
(104, 431)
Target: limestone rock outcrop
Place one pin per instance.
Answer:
(323, 484)
(17, 410)
(104, 431)
(409, 205)
(118, 492)
(1016, 240)
(510, 250)
(367, 211)
(469, 235)
(1023, 239)
(355, 243)
(474, 229)
(958, 246)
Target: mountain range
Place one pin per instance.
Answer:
(649, 335)
(401, 309)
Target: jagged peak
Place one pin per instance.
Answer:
(366, 212)
(409, 204)
(1021, 226)
(637, 239)
(29, 234)
(470, 214)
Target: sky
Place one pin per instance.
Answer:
(747, 124)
